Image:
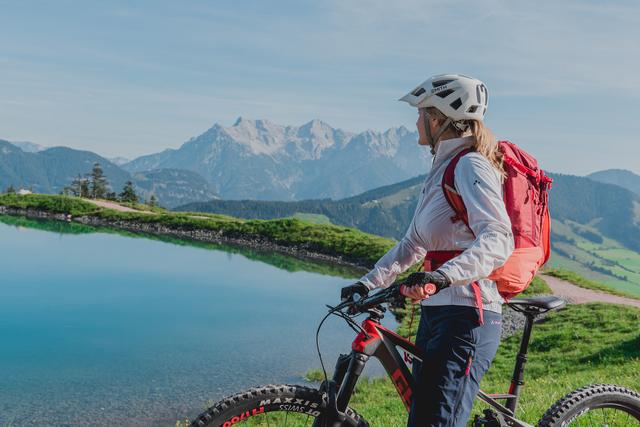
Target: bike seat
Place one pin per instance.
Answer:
(536, 305)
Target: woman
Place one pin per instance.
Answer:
(459, 339)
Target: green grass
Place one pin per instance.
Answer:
(603, 260)
(312, 218)
(49, 203)
(580, 345)
(142, 207)
(314, 375)
(578, 280)
(537, 287)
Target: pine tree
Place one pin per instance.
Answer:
(84, 189)
(98, 182)
(75, 188)
(128, 193)
(10, 189)
(153, 201)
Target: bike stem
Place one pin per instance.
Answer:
(517, 380)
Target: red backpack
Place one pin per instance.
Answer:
(526, 197)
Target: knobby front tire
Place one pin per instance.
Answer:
(272, 405)
(595, 405)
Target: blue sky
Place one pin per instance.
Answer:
(130, 78)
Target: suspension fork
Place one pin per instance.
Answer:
(357, 361)
(340, 388)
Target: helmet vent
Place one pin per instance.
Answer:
(441, 82)
(456, 104)
(473, 109)
(418, 91)
(445, 93)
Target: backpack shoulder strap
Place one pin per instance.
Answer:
(449, 189)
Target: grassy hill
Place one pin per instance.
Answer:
(585, 250)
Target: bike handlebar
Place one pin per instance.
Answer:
(378, 298)
(385, 295)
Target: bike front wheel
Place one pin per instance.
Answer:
(595, 405)
(270, 406)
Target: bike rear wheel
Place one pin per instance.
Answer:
(595, 405)
(272, 406)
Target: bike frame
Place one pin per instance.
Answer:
(378, 342)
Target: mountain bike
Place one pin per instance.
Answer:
(328, 406)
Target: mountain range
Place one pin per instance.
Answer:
(252, 159)
(258, 159)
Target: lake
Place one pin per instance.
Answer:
(105, 328)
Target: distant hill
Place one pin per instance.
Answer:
(28, 147)
(385, 211)
(620, 177)
(48, 171)
(612, 210)
(173, 187)
(261, 160)
(119, 160)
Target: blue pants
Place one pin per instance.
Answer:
(458, 352)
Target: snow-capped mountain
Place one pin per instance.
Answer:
(258, 159)
(29, 147)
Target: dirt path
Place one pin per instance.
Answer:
(113, 205)
(579, 295)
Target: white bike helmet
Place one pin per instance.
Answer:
(456, 96)
(459, 98)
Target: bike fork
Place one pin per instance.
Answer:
(340, 388)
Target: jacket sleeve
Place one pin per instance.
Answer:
(480, 187)
(397, 260)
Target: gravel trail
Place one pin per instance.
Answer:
(578, 295)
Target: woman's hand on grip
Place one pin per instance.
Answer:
(419, 286)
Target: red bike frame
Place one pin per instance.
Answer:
(386, 346)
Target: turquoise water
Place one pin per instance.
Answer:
(99, 328)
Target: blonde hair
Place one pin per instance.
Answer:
(484, 142)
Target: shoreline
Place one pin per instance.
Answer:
(201, 235)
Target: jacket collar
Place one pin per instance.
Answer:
(447, 148)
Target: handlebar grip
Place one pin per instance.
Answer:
(430, 289)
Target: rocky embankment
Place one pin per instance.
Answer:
(305, 251)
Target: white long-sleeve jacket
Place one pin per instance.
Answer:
(431, 229)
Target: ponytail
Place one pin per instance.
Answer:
(485, 143)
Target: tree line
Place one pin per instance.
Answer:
(94, 185)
